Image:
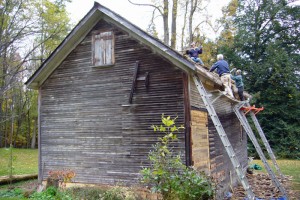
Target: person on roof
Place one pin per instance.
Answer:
(194, 53)
(237, 77)
(222, 68)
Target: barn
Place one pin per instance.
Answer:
(105, 85)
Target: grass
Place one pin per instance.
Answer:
(25, 161)
(287, 167)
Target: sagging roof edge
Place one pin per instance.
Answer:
(83, 28)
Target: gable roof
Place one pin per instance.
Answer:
(80, 31)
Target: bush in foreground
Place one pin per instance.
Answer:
(167, 174)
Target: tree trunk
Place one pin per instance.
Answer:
(1, 125)
(174, 21)
(18, 130)
(12, 127)
(165, 21)
(5, 126)
(33, 140)
(184, 24)
(28, 132)
(193, 7)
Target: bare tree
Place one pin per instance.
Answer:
(174, 23)
(186, 8)
(164, 12)
(19, 26)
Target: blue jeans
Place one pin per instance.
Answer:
(197, 60)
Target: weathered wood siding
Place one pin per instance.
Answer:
(195, 98)
(200, 141)
(87, 124)
(221, 166)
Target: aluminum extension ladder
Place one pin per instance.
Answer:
(214, 117)
(264, 139)
(244, 122)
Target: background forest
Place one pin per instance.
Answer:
(261, 37)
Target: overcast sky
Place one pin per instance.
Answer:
(138, 15)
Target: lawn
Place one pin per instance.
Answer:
(287, 167)
(25, 161)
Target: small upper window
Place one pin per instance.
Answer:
(103, 48)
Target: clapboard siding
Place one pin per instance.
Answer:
(87, 124)
(195, 98)
(221, 166)
(220, 163)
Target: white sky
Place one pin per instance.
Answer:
(138, 15)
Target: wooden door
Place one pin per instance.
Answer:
(200, 141)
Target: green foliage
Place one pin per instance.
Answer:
(90, 193)
(194, 185)
(51, 193)
(18, 193)
(266, 47)
(118, 193)
(168, 175)
(54, 22)
(21, 22)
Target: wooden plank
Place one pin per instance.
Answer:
(200, 141)
(187, 119)
(87, 124)
(134, 79)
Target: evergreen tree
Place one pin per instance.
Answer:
(267, 43)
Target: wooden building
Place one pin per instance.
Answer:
(102, 89)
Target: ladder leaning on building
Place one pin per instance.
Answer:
(239, 108)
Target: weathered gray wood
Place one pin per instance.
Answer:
(134, 79)
(40, 175)
(220, 162)
(84, 126)
(87, 124)
(103, 48)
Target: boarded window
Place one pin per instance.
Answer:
(103, 48)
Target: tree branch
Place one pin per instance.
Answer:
(151, 5)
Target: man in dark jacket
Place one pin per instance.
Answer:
(222, 68)
(194, 53)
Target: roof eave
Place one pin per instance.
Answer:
(97, 13)
(155, 45)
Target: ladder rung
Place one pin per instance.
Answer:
(208, 102)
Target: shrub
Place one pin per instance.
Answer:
(118, 193)
(59, 178)
(11, 193)
(168, 175)
(51, 193)
(85, 193)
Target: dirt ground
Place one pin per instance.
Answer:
(263, 188)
